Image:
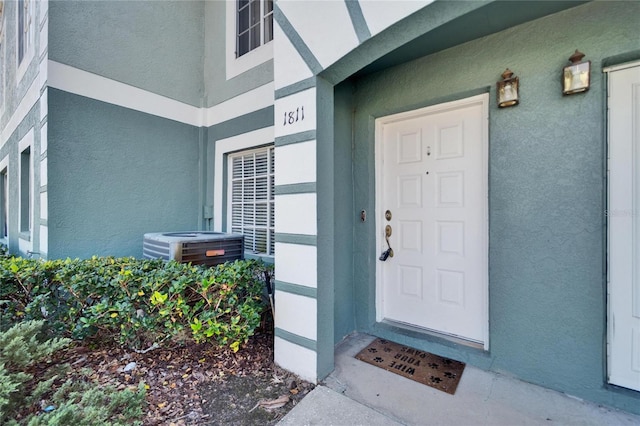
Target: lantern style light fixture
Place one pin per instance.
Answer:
(576, 76)
(508, 90)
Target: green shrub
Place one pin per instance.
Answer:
(73, 402)
(136, 302)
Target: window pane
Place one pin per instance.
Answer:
(272, 221)
(236, 191)
(261, 215)
(249, 166)
(261, 241)
(236, 216)
(249, 239)
(249, 190)
(268, 6)
(261, 164)
(255, 37)
(255, 12)
(25, 190)
(262, 188)
(272, 242)
(272, 160)
(243, 20)
(243, 44)
(247, 213)
(21, 45)
(268, 28)
(237, 168)
(271, 186)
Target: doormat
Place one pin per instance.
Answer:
(423, 367)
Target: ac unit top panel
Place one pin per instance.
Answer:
(186, 237)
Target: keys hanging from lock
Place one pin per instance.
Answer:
(385, 254)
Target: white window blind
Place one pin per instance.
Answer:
(252, 199)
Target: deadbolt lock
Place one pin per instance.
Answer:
(387, 215)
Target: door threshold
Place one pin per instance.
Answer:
(419, 332)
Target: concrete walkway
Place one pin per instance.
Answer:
(357, 393)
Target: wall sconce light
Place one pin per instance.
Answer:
(508, 90)
(575, 77)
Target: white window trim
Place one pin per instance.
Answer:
(259, 55)
(21, 67)
(26, 142)
(229, 212)
(4, 165)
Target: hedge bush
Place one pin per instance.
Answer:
(137, 302)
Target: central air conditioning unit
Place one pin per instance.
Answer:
(198, 248)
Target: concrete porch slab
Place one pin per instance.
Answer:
(359, 393)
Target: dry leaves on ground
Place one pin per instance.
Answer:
(197, 384)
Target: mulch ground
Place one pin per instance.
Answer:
(197, 383)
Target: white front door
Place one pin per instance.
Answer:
(624, 227)
(432, 178)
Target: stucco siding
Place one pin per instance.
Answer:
(115, 174)
(153, 45)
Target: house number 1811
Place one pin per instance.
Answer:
(291, 117)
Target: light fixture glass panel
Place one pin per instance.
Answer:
(576, 78)
(507, 90)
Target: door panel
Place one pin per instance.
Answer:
(433, 178)
(624, 227)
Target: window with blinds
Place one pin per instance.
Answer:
(251, 187)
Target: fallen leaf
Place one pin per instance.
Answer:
(274, 403)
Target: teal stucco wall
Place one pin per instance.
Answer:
(152, 45)
(345, 217)
(547, 206)
(115, 174)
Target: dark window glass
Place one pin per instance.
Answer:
(254, 22)
(25, 190)
(21, 47)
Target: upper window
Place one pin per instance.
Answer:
(251, 196)
(24, 28)
(25, 190)
(254, 24)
